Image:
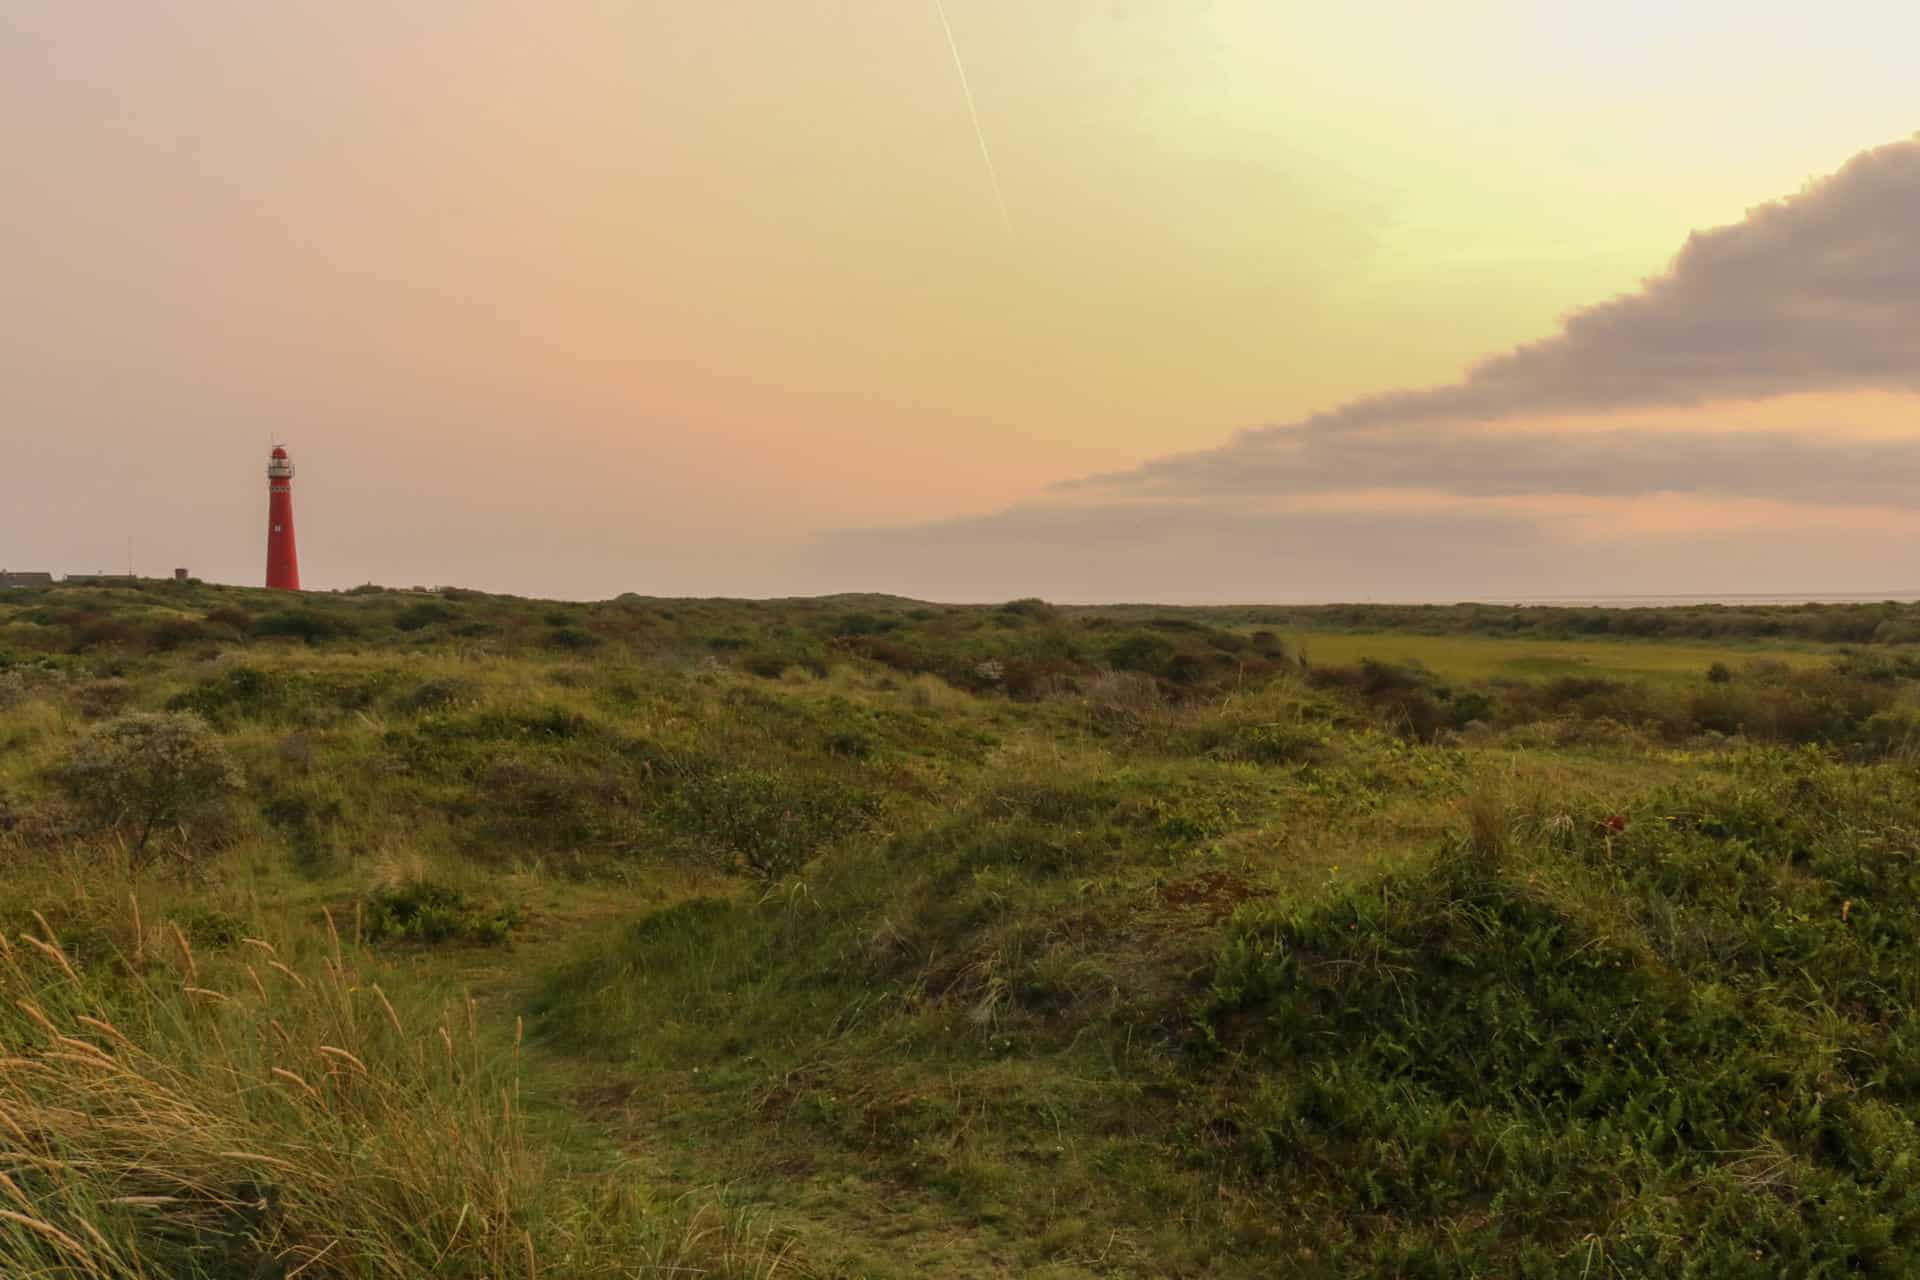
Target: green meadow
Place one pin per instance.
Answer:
(1472, 657)
(406, 933)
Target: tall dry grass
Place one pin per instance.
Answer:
(168, 1114)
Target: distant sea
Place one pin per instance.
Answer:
(1660, 601)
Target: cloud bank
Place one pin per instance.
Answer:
(1810, 306)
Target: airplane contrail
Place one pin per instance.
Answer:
(973, 113)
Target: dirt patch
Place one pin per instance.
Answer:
(607, 1101)
(1211, 896)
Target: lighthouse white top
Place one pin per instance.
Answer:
(279, 465)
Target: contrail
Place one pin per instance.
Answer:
(973, 113)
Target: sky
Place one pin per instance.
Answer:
(1223, 300)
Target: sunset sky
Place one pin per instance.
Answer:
(1386, 299)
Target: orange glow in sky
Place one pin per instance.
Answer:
(570, 298)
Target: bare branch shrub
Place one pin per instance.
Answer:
(148, 771)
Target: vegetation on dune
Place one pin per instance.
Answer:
(865, 937)
(1022, 648)
(174, 1112)
(1688, 1030)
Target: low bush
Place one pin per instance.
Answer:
(438, 694)
(767, 822)
(146, 772)
(15, 688)
(280, 696)
(309, 625)
(428, 912)
(1142, 651)
(541, 799)
(416, 617)
(1793, 706)
(1267, 743)
(92, 632)
(98, 699)
(571, 639)
(169, 634)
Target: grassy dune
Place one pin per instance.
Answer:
(863, 937)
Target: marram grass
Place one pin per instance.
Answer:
(165, 1114)
(858, 937)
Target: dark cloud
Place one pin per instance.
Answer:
(1818, 293)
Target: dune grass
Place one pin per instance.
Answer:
(865, 938)
(173, 1109)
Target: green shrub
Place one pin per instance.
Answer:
(426, 912)
(438, 694)
(416, 617)
(237, 693)
(1469, 707)
(1032, 608)
(309, 625)
(145, 772)
(1895, 731)
(571, 639)
(92, 632)
(766, 821)
(1821, 706)
(98, 699)
(170, 634)
(867, 624)
(242, 693)
(1141, 651)
(15, 688)
(536, 798)
(1269, 744)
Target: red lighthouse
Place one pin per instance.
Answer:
(283, 562)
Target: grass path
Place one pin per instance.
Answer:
(1017, 1176)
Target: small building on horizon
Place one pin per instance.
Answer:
(25, 580)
